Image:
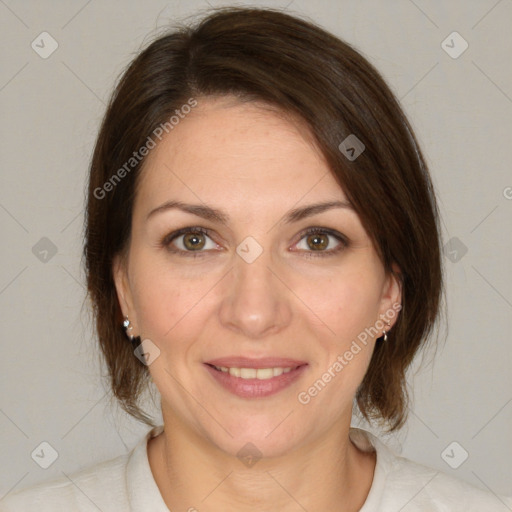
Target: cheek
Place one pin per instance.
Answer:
(356, 309)
(348, 306)
(348, 302)
(168, 305)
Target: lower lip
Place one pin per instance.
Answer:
(255, 388)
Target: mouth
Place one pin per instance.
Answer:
(252, 378)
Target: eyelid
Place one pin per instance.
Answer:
(342, 239)
(167, 239)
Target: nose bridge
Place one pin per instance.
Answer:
(256, 303)
(252, 274)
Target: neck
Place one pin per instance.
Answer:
(193, 474)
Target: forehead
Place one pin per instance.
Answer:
(228, 151)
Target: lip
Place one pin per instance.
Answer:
(255, 388)
(263, 362)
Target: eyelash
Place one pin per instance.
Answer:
(168, 239)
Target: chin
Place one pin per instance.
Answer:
(267, 436)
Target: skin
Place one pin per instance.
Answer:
(255, 165)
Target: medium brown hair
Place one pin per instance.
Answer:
(288, 63)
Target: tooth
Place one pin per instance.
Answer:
(248, 373)
(254, 373)
(264, 373)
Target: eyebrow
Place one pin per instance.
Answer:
(215, 215)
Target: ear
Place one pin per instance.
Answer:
(123, 288)
(391, 300)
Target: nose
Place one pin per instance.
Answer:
(256, 302)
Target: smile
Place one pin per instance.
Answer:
(255, 382)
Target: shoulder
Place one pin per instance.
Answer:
(100, 487)
(423, 488)
(402, 484)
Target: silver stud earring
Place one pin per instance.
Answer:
(128, 328)
(384, 333)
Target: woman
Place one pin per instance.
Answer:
(261, 226)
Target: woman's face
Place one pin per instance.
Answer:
(249, 288)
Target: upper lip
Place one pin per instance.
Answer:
(263, 362)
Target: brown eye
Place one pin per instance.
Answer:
(321, 242)
(194, 241)
(317, 241)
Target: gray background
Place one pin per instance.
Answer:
(461, 109)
